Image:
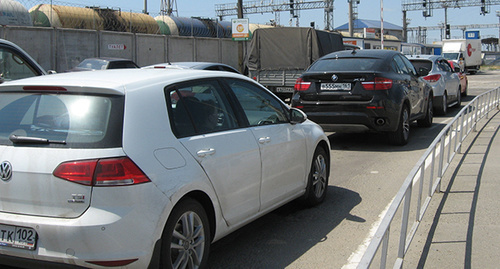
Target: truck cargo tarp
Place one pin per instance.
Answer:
(290, 48)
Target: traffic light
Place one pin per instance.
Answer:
(448, 33)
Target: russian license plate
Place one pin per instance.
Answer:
(17, 237)
(335, 86)
(284, 89)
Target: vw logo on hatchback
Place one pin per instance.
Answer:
(5, 171)
(334, 78)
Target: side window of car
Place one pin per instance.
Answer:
(445, 66)
(13, 66)
(401, 67)
(199, 107)
(411, 69)
(260, 107)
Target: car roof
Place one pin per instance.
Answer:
(192, 65)
(115, 81)
(424, 57)
(107, 59)
(377, 53)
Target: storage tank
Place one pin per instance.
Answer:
(227, 27)
(44, 15)
(167, 25)
(137, 22)
(191, 27)
(14, 13)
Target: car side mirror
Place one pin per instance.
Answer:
(51, 72)
(297, 116)
(457, 69)
(422, 71)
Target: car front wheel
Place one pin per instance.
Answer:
(427, 120)
(318, 178)
(186, 237)
(401, 135)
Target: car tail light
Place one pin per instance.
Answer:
(44, 88)
(377, 84)
(102, 172)
(301, 85)
(433, 78)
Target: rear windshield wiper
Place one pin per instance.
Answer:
(17, 139)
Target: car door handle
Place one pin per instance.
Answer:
(264, 140)
(205, 152)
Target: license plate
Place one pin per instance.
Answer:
(284, 89)
(335, 86)
(17, 237)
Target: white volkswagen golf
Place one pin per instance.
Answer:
(146, 168)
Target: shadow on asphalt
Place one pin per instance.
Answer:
(420, 137)
(282, 236)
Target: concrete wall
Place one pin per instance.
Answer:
(61, 49)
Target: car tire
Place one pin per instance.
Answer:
(429, 115)
(443, 107)
(401, 135)
(317, 182)
(459, 97)
(464, 94)
(193, 244)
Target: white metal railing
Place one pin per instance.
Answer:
(440, 153)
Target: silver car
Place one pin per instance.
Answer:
(444, 81)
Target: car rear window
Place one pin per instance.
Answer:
(422, 64)
(68, 120)
(346, 64)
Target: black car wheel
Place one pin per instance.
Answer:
(459, 97)
(401, 135)
(443, 107)
(186, 237)
(318, 178)
(429, 116)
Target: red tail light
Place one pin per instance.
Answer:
(433, 78)
(301, 85)
(377, 84)
(103, 172)
(44, 88)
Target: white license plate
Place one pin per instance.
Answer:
(284, 89)
(335, 86)
(17, 237)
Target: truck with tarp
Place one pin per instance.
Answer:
(276, 57)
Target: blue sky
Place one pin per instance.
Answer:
(367, 9)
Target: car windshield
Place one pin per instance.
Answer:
(94, 64)
(345, 64)
(451, 56)
(76, 120)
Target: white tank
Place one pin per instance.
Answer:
(14, 13)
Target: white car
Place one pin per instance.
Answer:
(142, 167)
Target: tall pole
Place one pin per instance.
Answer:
(351, 31)
(240, 43)
(382, 24)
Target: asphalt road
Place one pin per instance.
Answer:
(366, 174)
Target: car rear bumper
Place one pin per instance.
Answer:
(102, 233)
(349, 121)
